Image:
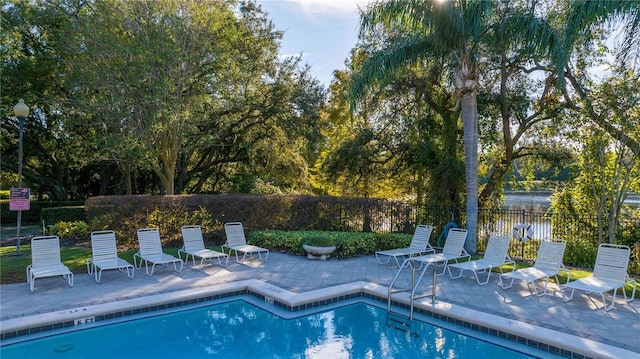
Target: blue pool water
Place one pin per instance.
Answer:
(238, 329)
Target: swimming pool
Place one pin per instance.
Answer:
(238, 329)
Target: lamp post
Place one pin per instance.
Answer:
(21, 110)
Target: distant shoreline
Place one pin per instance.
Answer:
(522, 199)
(541, 199)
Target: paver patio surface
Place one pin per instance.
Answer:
(583, 316)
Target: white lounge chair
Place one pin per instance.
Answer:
(104, 255)
(151, 251)
(609, 274)
(45, 261)
(494, 257)
(453, 250)
(194, 247)
(419, 246)
(237, 242)
(548, 264)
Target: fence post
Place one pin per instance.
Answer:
(524, 218)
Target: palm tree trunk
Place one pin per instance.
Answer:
(466, 84)
(469, 114)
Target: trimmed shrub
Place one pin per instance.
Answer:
(125, 214)
(34, 214)
(348, 244)
(54, 215)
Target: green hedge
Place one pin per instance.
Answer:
(51, 216)
(34, 214)
(126, 214)
(347, 244)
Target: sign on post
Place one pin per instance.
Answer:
(19, 199)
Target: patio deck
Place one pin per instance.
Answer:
(581, 324)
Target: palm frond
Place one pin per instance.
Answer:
(534, 35)
(436, 28)
(584, 15)
(382, 66)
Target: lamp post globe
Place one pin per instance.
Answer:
(21, 110)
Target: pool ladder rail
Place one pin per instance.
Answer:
(415, 264)
(401, 322)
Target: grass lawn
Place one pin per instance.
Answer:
(13, 269)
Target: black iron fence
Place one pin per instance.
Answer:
(531, 226)
(290, 212)
(582, 233)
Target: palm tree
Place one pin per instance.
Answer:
(583, 16)
(453, 30)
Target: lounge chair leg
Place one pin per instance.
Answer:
(501, 283)
(613, 300)
(633, 293)
(388, 259)
(451, 274)
(444, 269)
(565, 298)
(544, 289)
(486, 281)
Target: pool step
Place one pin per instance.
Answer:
(400, 322)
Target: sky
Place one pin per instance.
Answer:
(323, 31)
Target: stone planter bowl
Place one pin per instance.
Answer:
(321, 253)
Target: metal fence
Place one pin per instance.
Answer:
(528, 227)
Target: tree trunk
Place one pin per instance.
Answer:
(469, 114)
(168, 145)
(125, 169)
(466, 84)
(166, 178)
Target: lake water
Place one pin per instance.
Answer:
(542, 200)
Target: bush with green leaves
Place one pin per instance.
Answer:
(319, 240)
(580, 253)
(169, 220)
(63, 214)
(172, 219)
(348, 244)
(67, 211)
(70, 230)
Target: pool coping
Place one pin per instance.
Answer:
(545, 339)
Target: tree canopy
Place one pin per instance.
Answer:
(439, 103)
(192, 92)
